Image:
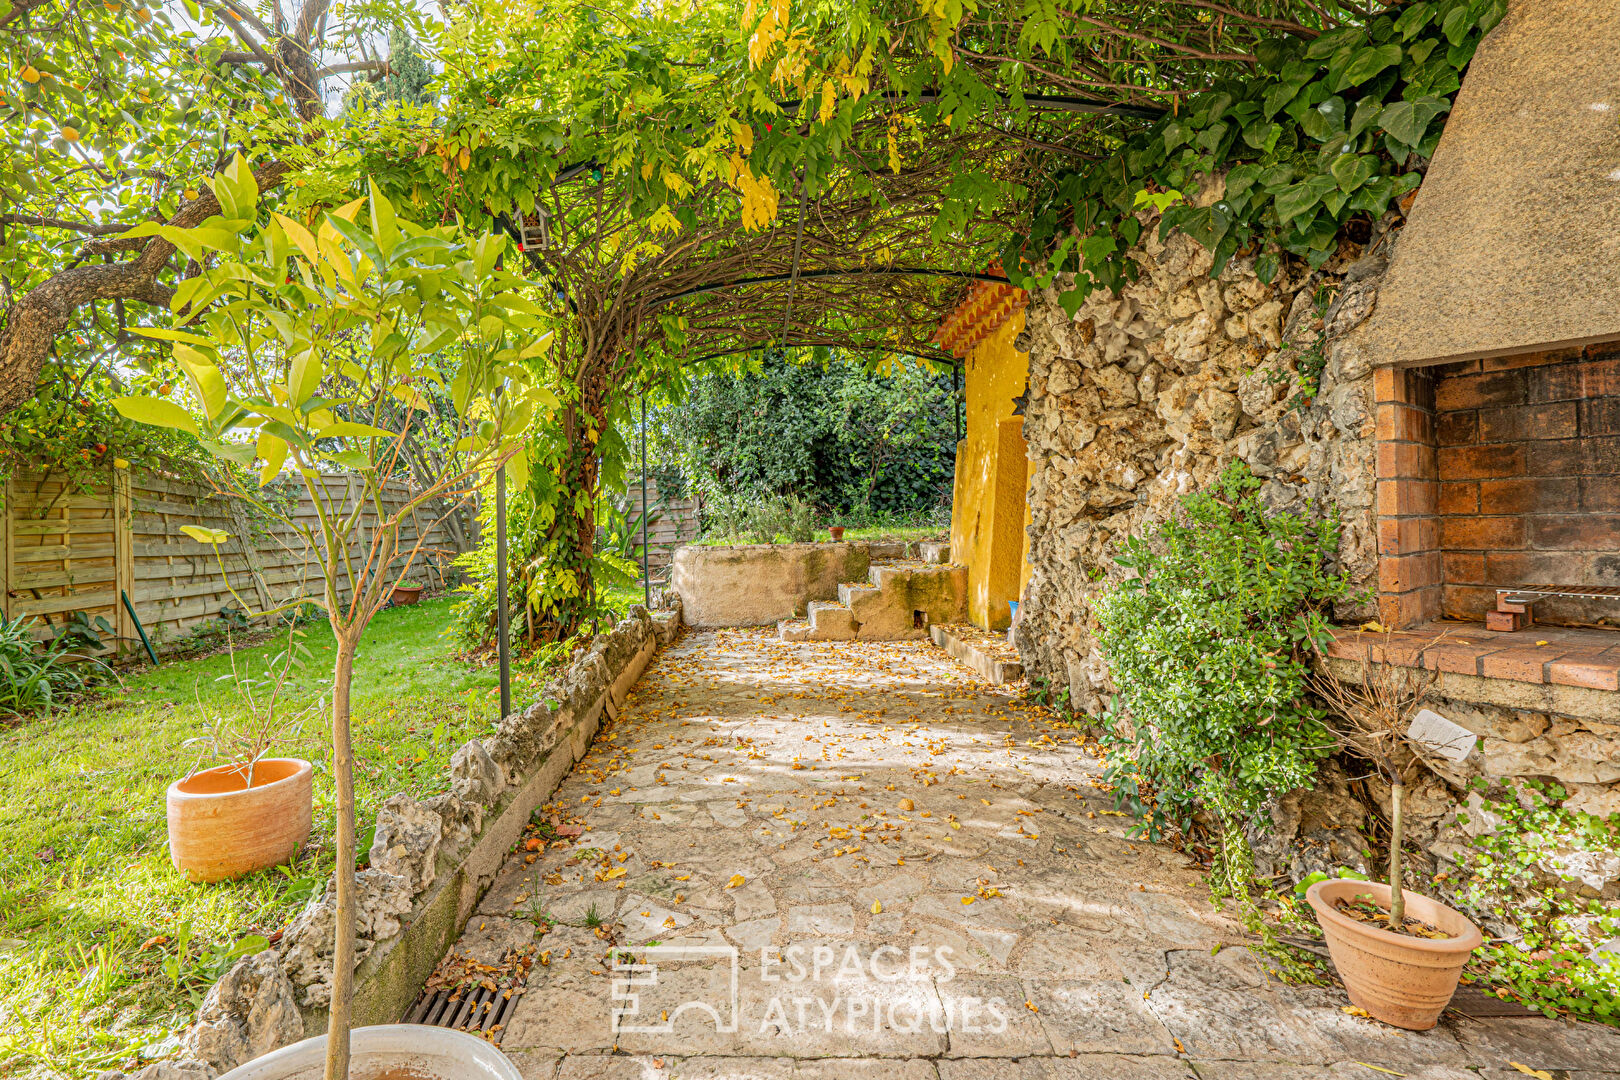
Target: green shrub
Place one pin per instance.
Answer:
(1553, 968)
(34, 678)
(1208, 650)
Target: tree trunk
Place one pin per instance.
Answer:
(1397, 899)
(337, 1031)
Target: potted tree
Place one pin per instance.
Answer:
(1400, 954)
(253, 811)
(319, 352)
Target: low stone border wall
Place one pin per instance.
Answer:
(999, 672)
(431, 862)
(761, 584)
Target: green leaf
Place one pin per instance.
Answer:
(1413, 19)
(350, 429)
(1406, 121)
(1366, 63)
(1324, 118)
(1266, 266)
(205, 378)
(204, 535)
(1294, 200)
(1331, 42)
(165, 334)
(1457, 23)
(384, 226)
(155, 411)
(1353, 170)
(1072, 300)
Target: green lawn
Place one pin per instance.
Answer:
(104, 947)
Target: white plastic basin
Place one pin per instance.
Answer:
(414, 1049)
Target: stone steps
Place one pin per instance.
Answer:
(899, 601)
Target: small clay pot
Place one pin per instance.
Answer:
(837, 532)
(406, 595)
(1402, 980)
(221, 828)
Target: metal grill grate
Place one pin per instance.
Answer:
(478, 1010)
(1525, 593)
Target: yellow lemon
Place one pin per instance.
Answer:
(71, 134)
(30, 74)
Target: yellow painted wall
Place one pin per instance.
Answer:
(989, 508)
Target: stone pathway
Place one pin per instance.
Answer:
(861, 861)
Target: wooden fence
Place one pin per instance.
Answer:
(677, 523)
(64, 551)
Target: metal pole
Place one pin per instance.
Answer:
(500, 591)
(646, 575)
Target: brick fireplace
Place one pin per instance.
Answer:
(1499, 473)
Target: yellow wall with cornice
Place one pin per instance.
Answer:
(989, 509)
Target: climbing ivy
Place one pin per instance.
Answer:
(1327, 129)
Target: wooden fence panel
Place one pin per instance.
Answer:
(69, 551)
(677, 523)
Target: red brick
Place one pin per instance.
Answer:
(1600, 455)
(1459, 498)
(1481, 462)
(1407, 498)
(1463, 568)
(1506, 622)
(1347, 644)
(1600, 416)
(1508, 568)
(1600, 493)
(1560, 457)
(1404, 423)
(1567, 382)
(1457, 428)
(1461, 657)
(1555, 420)
(1397, 610)
(1526, 495)
(1527, 664)
(1593, 670)
(1389, 384)
(1534, 359)
(1405, 536)
(1405, 460)
(1467, 602)
(1584, 532)
(1480, 391)
(1403, 573)
(1482, 533)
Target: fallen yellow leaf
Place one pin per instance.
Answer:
(907, 804)
(1355, 1010)
(966, 900)
(616, 872)
(1380, 1068)
(1539, 1074)
(877, 907)
(1375, 626)
(736, 881)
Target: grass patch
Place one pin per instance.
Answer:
(105, 948)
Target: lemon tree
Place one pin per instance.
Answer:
(315, 350)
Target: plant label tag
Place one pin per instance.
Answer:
(1439, 735)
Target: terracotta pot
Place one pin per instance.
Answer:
(220, 828)
(837, 532)
(1401, 980)
(405, 595)
(388, 1050)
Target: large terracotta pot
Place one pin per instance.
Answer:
(403, 1050)
(220, 828)
(1401, 980)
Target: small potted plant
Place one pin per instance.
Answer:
(406, 595)
(1400, 954)
(254, 811)
(837, 533)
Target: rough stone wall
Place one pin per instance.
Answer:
(1145, 396)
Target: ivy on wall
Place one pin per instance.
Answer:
(1327, 129)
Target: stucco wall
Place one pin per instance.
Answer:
(988, 510)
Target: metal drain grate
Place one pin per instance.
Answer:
(480, 1011)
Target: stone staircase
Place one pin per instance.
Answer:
(899, 601)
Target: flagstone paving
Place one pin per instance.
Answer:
(892, 869)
